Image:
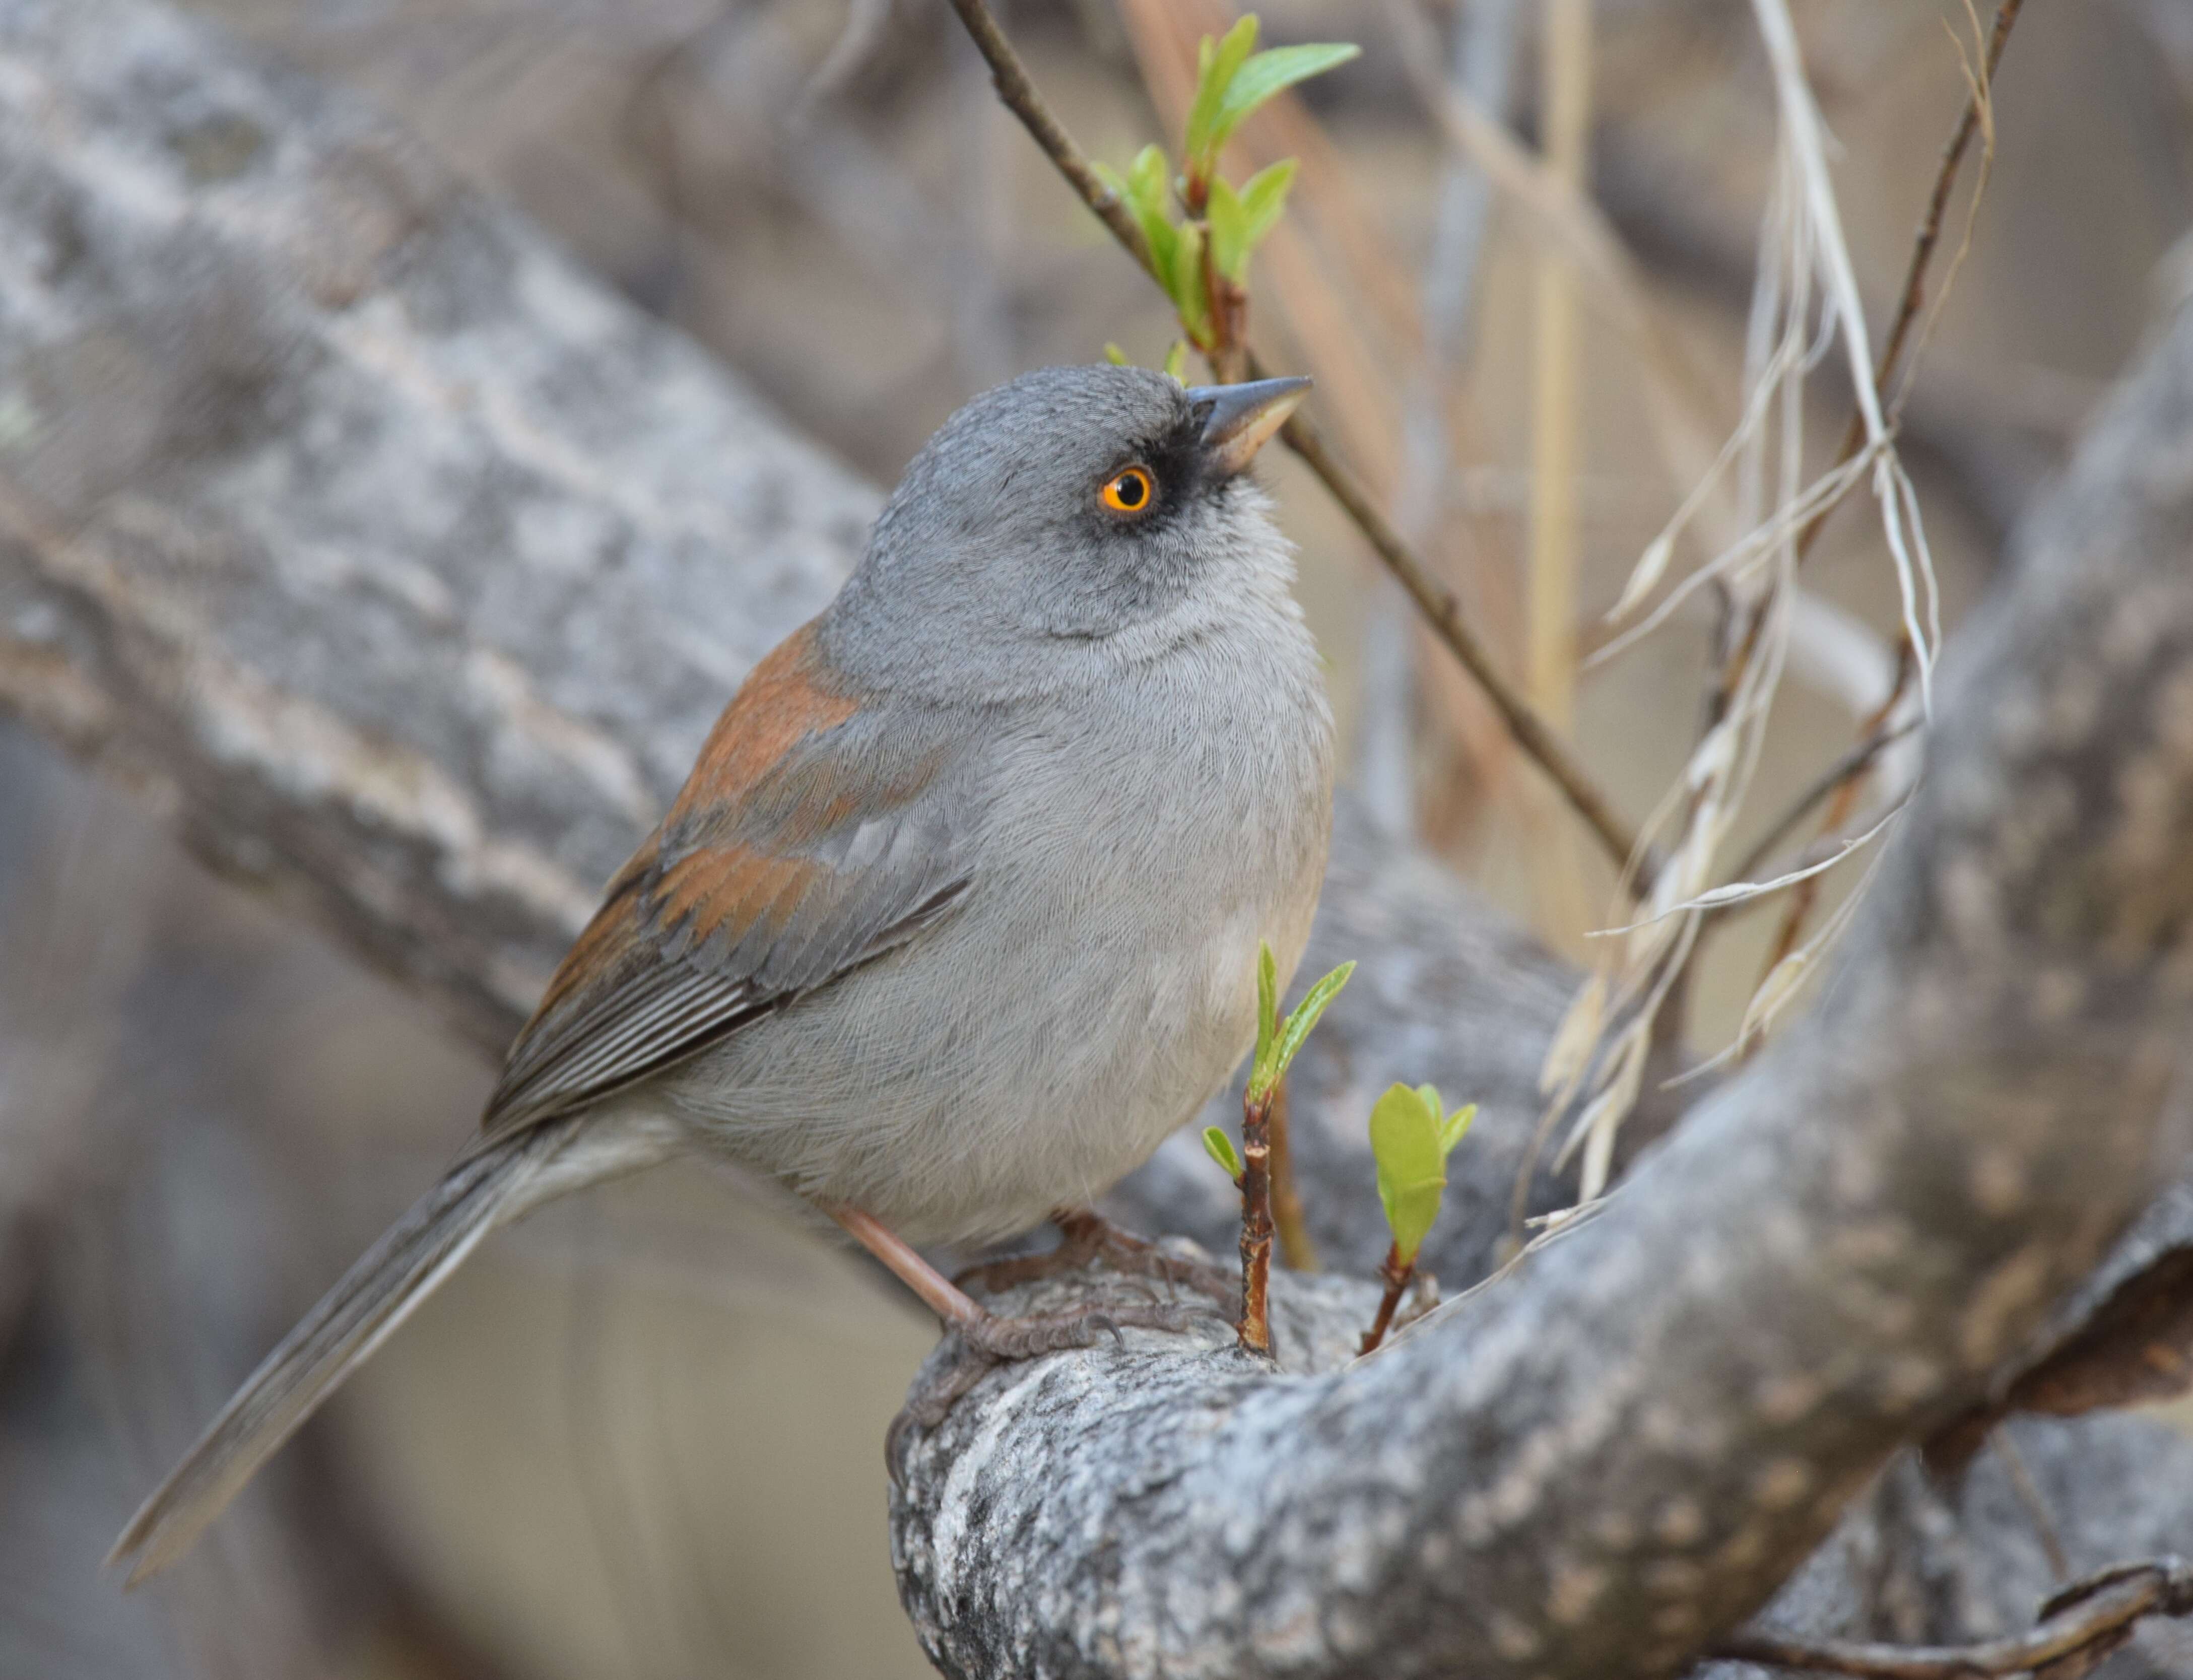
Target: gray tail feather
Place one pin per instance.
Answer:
(350, 1320)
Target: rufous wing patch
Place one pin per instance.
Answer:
(720, 888)
(782, 702)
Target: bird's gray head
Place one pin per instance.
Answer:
(1071, 518)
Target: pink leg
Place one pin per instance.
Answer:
(982, 1330)
(941, 1296)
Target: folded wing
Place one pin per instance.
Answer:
(816, 833)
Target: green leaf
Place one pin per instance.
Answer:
(1216, 63)
(1229, 231)
(1277, 1046)
(1404, 1142)
(1264, 76)
(1176, 362)
(1456, 1125)
(1189, 300)
(1264, 199)
(1267, 1015)
(1220, 1148)
(1297, 1028)
(1145, 185)
(1116, 356)
(1142, 190)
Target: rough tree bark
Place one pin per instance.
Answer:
(406, 569)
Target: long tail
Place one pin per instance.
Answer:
(410, 1260)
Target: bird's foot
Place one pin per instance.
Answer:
(1086, 1236)
(976, 1345)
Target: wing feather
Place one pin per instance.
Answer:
(814, 835)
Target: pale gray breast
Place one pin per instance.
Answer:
(1097, 981)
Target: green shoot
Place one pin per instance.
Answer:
(1233, 80)
(1220, 1148)
(1279, 1041)
(1412, 1135)
(1201, 259)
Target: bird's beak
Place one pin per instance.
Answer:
(1237, 418)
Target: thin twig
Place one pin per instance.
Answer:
(1254, 1329)
(1010, 77)
(2087, 1620)
(1297, 1252)
(1532, 732)
(2035, 1503)
(1397, 1274)
(1539, 740)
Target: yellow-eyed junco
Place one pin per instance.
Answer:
(956, 917)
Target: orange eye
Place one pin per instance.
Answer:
(1129, 490)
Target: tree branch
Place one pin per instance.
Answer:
(1609, 1456)
(400, 564)
(2086, 1621)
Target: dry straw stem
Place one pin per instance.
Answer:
(1556, 432)
(1805, 267)
(1538, 739)
(1846, 771)
(1556, 423)
(2079, 1626)
(1560, 214)
(1978, 118)
(1297, 1252)
(1842, 805)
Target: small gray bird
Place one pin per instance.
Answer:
(956, 917)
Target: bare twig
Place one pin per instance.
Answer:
(1256, 1329)
(1010, 77)
(2035, 1503)
(1532, 733)
(2082, 1624)
(1297, 1252)
(1397, 1274)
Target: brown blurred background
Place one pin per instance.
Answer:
(640, 1436)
